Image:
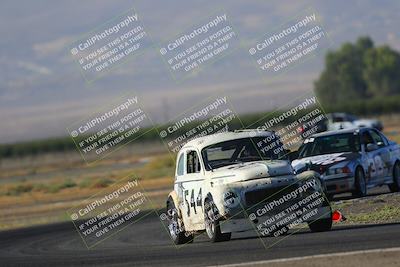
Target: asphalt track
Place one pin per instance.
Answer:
(146, 243)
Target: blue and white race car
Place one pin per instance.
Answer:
(351, 160)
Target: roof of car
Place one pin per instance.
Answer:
(342, 131)
(208, 140)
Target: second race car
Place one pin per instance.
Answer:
(351, 160)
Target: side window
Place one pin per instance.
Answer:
(181, 167)
(192, 162)
(366, 138)
(385, 140)
(377, 138)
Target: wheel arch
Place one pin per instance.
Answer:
(359, 166)
(173, 197)
(207, 197)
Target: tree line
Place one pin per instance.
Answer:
(360, 71)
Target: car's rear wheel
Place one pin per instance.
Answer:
(360, 184)
(395, 186)
(175, 226)
(212, 223)
(320, 225)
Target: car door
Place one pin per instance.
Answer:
(383, 155)
(180, 176)
(191, 188)
(373, 162)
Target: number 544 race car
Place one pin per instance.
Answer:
(230, 182)
(351, 160)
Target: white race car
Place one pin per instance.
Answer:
(222, 178)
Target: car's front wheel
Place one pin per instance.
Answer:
(177, 232)
(320, 225)
(395, 186)
(212, 223)
(360, 184)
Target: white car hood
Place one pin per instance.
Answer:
(253, 170)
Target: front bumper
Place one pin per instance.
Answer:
(245, 224)
(275, 207)
(339, 184)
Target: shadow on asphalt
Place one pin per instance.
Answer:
(306, 231)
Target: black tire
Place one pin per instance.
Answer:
(211, 221)
(359, 183)
(395, 186)
(321, 225)
(176, 231)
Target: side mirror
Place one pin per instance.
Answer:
(293, 155)
(372, 147)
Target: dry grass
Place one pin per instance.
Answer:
(46, 195)
(40, 208)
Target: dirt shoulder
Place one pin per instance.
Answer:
(384, 208)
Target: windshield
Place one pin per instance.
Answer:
(330, 144)
(241, 150)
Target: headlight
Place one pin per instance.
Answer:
(333, 171)
(231, 199)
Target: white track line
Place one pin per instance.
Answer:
(356, 252)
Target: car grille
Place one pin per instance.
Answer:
(268, 194)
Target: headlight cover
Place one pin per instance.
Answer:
(333, 171)
(231, 199)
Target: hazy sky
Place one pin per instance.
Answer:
(42, 90)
